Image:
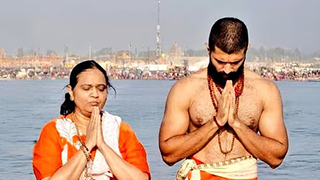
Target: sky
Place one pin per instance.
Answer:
(78, 24)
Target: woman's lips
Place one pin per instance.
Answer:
(94, 103)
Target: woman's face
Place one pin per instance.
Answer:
(91, 90)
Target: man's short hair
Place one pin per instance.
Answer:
(229, 34)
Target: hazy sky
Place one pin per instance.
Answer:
(115, 23)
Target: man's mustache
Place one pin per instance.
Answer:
(230, 76)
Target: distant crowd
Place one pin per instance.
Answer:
(303, 75)
(171, 74)
(178, 73)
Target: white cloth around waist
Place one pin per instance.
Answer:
(238, 168)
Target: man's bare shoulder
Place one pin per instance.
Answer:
(251, 75)
(191, 81)
(260, 83)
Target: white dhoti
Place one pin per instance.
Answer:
(238, 168)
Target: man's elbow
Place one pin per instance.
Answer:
(167, 155)
(275, 163)
(168, 160)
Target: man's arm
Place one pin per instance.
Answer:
(174, 141)
(271, 145)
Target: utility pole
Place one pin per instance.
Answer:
(158, 51)
(90, 52)
(130, 55)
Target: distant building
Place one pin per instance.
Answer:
(175, 55)
(2, 53)
(123, 58)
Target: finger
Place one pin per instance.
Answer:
(224, 98)
(92, 119)
(229, 82)
(225, 89)
(91, 123)
(229, 92)
(232, 106)
(95, 115)
(230, 86)
(227, 101)
(98, 122)
(233, 96)
(232, 89)
(98, 115)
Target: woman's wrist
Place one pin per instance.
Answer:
(101, 145)
(86, 152)
(88, 146)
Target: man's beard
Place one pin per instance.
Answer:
(220, 77)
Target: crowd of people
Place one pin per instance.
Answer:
(304, 75)
(180, 72)
(170, 74)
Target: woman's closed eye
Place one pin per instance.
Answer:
(101, 87)
(86, 87)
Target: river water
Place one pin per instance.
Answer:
(27, 105)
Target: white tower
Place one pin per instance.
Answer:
(158, 51)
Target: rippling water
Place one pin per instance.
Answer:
(26, 106)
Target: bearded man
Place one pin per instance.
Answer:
(223, 118)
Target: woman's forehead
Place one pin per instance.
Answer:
(91, 76)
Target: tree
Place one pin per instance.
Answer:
(296, 54)
(262, 53)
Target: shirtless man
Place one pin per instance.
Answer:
(224, 116)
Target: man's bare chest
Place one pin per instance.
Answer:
(201, 109)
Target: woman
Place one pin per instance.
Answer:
(85, 142)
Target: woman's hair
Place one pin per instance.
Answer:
(68, 106)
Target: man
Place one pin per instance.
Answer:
(223, 118)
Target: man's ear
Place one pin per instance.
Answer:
(249, 45)
(70, 92)
(207, 47)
